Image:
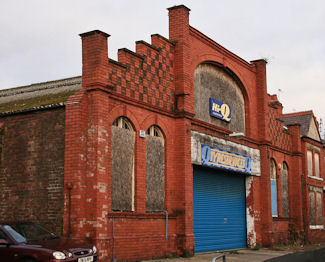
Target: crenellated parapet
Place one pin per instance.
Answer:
(146, 76)
(277, 131)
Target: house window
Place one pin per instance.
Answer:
(313, 164)
(122, 167)
(2, 136)
(155, 170)
(316, 162)
(274, 198)
(310, 162)
(284, 190)
(315, 207)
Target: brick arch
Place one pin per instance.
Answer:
(286, 164)
(221, 63)
(230, 66)
(156, 120)
(123, 110)
(240, 87)
(272, 160)
(231, 73)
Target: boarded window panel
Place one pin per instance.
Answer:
(2, 137)
(310, 163)
(274, 198)
(122, 171)
(273, 170)
(319, 208)
(284, 190)
(312, 208)
(215, 82)
(316, 158)
(155, 174)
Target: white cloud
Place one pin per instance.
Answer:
(40, 41)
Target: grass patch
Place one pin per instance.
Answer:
(279, 248)
(234, 252)
(255, 248)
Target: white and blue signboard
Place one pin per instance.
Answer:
(220, 110)
(216, 157)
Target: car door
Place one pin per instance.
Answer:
(6, 253)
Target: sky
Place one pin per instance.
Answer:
(40, 38)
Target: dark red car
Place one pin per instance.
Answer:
(30, 242)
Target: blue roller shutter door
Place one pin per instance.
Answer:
(219, 208)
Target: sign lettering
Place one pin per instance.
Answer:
(215, 157)
(220, 110)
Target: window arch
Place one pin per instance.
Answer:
(220, 83)
(155, 169)
(123, 122)
(274, 198)
(155, 131)
(122, 165)
(284, 189)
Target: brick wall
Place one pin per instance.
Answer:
(32, 168)
(155, 86)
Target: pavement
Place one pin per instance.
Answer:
(250, 255)
(243, 255)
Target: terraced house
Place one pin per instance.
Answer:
(175, 148)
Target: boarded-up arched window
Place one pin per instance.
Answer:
(155, 170)
(122, 170)
(274, 198)
(284, 190)
(219, 83)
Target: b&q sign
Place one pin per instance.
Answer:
(220, 110)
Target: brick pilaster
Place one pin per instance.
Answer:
(184, 171)
(262, 100)
(179, 31)
(295, 180)
(94, 59)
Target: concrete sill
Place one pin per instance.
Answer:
(316, 178)
(316, 227)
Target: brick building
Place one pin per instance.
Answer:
(173, 149)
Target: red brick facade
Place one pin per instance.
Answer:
(154, 86)
(32, 167)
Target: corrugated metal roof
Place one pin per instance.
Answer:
(38, 96)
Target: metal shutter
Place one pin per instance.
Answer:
(219, 208)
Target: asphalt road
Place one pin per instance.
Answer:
(244, 255)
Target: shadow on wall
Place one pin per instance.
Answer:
(306, 256)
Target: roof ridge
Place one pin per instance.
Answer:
(301, 113)
(40, 86)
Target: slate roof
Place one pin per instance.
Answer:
(38, 96)
(301, 118)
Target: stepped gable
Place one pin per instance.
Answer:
(145, 75)
(277, 132)
(38, 96)
(279, 136)
(301, 118)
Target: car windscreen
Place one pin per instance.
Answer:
(14, 234)
(33, 231)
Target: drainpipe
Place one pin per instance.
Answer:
(166, 212)
(113, 232)
(303, 207)
(69, 187)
